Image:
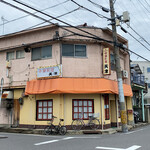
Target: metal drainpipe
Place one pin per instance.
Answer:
(64, 109)
(101, 111)
(143, 113)
(116, 110)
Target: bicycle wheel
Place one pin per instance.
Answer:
(47, 130)
(62, 130)
(94, 124)
(76, 124)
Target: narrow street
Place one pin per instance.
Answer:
(136, 139)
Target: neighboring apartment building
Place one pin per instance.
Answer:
(145, 67)
(139, 88)
(50, 71)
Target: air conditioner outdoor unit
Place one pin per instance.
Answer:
(125, 74)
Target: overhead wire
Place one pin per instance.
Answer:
(78, 18)
(75, 27)
(93, 37)
(137, 54)
(34, 13)
(98, 5)
(143, 6)
(52, 19)
(147, 3)
(138, 34)
(99, 15)
(135, 38)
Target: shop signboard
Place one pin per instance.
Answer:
(49, 72)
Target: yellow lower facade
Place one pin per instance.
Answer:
(63, 108)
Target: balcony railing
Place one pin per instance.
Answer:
(138, 79)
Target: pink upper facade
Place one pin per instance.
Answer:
(24, 69)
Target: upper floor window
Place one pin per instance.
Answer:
(19, 54)
(112, 61)
(73, 50)
(148, 85)
(10, 55)
(148, 69)
(42, 52)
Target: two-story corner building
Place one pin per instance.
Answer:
(51, 71)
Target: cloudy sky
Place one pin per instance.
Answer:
(13, 20)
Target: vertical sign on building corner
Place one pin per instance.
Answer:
(106, 61)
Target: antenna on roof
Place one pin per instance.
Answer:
(3, 20)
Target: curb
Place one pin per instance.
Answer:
(69, 132)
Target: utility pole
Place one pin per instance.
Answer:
(118, 70)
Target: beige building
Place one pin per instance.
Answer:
(61, 71)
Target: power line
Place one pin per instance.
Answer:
(99, 15)
(135, 38)
(143, 5)
(138, 34)
(94, 36)
(136, 54)
(72, 14)
(147, 3)
(98, 5)
(52, 19)
(34, 13)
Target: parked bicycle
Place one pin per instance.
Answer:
(55, 129)
(93, 123)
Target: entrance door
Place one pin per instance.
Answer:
(16, 112)
(113, 113)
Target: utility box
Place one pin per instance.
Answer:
(126, 17)
(125, 74)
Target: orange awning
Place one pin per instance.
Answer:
(75, 85)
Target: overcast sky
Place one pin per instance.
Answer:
(139, 18)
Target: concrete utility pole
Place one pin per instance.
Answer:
(118, 70)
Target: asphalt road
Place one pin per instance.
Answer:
(138, 139)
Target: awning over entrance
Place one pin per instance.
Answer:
(75, 85)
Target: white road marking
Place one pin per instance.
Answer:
(134, 131)
(46, 142)
(52, 141)
(68, 138)
(87, 137)
(109, 148)
(134, 147)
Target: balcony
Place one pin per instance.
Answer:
(138, 79)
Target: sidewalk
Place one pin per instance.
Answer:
(70, 132)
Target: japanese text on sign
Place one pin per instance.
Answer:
(49, 72)
(106, 61)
